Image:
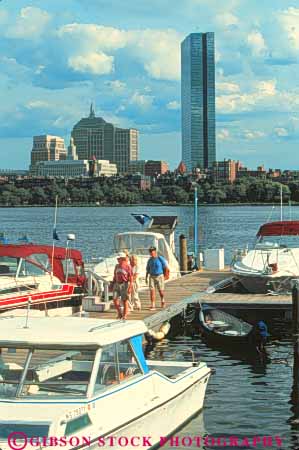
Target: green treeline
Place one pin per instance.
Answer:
(125, 191)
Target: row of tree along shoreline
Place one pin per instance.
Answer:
(107, 192)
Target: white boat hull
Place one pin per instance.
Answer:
(175, 413)
(161, 422)
(265, 284)
(265, 270)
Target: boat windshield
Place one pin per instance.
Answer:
(8, 266)
(135, 243)
(31, 266)
(274, 242)
(139, 244)
(44, 372)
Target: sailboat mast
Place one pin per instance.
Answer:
(54, 234)
(281, 202)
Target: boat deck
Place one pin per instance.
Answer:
(191, 288)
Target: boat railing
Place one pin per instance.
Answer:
(184, 350)
(105, 325)
(96, 284)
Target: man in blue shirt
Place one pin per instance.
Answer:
(155, 268)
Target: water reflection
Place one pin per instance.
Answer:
(246, 397)
(294, 400)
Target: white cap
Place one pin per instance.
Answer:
(121, 255)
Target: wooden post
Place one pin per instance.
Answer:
(183, 254)
(295, 300)
(295, 390)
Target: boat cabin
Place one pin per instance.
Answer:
(54, 358)
(73, 376)
(139, 242)
(25, 260)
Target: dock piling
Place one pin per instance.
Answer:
(295, 305)
(183, 254)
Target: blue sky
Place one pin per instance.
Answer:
(57, 56)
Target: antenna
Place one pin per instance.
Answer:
(70, 237)
(281, 202)
(28, 311)
(55, 237)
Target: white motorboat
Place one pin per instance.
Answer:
(86, 381)
(271, 265)
(137, 243)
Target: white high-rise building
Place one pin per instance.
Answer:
(47, 148)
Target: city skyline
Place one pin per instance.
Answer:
(126, 58)
(198, 100)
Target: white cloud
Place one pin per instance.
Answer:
(281, 132)
(226, 19)
(95, 63)
(39, 69)
(173, 105)
(30, 23)
(141, 100)
(91, 36)
(267, 87)
(289, 20)
(223, 134)
(227, 87)
(257, 44)
(3, 16)
(37, 104)
(252, 134)
(116, 85)
(157, 50)
(264, 95)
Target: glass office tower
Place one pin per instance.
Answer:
(198, 100)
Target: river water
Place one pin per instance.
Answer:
(246, 397)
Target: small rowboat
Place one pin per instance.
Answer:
(222, 328)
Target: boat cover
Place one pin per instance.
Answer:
(281, 228)
(60, 253)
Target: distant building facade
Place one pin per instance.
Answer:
(13, 173)
(75, 168)
(198, 100)
(154, 168)
(225, 170)
(260, 172)
(148, 168)
(94, 137)
(72, 151)
(47, 148)
(137, 166)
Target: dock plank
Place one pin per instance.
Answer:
(191, 288)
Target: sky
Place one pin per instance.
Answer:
(58, 56)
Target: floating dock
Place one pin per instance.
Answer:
(192, 288)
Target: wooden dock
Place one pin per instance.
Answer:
(191, 288)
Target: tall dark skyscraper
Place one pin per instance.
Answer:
(198, 100)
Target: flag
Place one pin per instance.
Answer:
(55, 235)
(142, 218)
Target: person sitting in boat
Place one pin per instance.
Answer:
(191, 262)
(155, 270)
(134, 297)
(122, 285)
